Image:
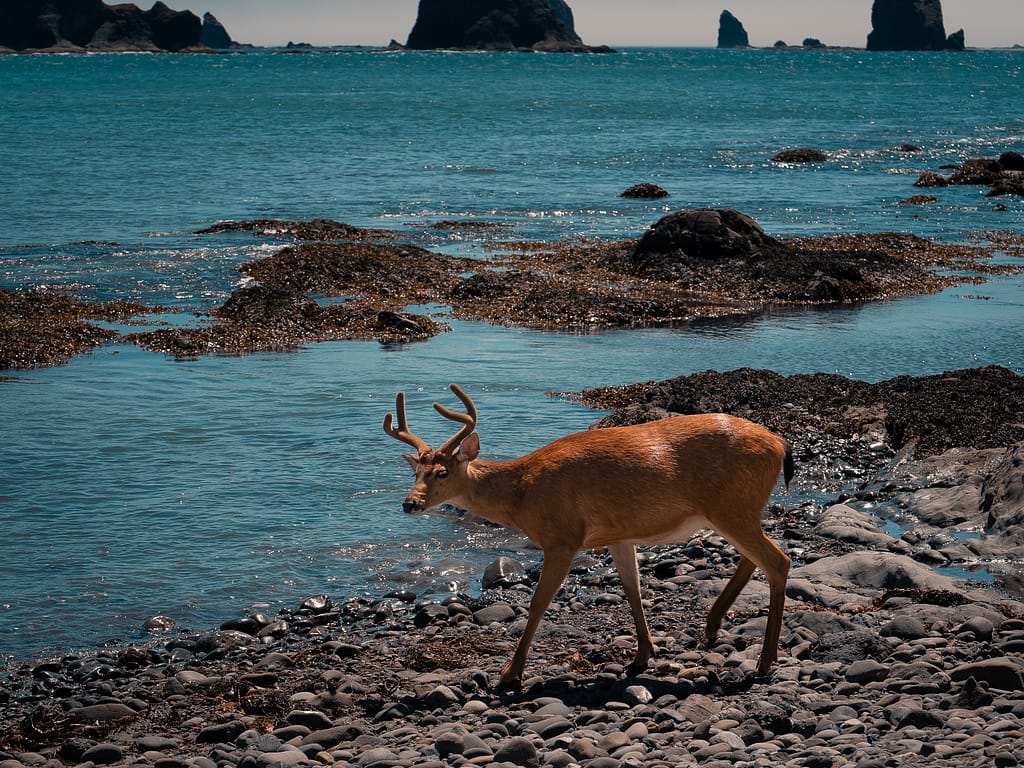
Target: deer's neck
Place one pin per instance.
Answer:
(492, 491)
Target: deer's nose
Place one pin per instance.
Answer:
(409, 506)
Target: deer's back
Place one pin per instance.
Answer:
(654, 482)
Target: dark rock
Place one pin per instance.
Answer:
(1008, 183)
(1003, 495)
(645, 191)
(544, 25)
(504, 572)
(703, 233)
(103, 754)
(813, 42)
(905, 627)
(518, 751)
(103, 713)
(800, 155)
(1006, 673)
(978, 170)
(221, 732)
(213, 33)
(1011, 161)
(495, 612)
(866, 671)
(931, 179)
(956, 41)
(906, 25)
(731, 33)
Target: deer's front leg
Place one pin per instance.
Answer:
(552, 574)
(624, 556)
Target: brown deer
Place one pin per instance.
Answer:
(654, 483)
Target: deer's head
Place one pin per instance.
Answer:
(441, 473)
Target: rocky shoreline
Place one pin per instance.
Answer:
(332, 281)
(884, 660)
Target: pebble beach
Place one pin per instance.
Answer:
(885, 658)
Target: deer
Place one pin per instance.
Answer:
(645, 484)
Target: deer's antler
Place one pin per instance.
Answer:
(402, 433)
(467, 419)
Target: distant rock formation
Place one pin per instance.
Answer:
(731, 33)
(910, 25)
(214, 35)
(496, 25)
(91, 25)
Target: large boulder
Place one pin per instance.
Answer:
(93, 25)
(708, 234)
(731, 33)
(908, 25)
(495, 25)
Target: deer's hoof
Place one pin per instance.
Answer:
(510, 684)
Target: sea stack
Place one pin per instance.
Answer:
(731, 33)
(496, 25)
(910, 25)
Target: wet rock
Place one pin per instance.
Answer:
(645, 191)
(504, 572)
(1006, 673)
(705, 234)
(800, 155)
(931, 179)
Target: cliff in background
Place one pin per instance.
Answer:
(92, 25)
(496, 25)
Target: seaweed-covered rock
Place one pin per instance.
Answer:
(645, 191)
(800, 155)
(702, 233)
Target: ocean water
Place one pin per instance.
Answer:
(132, 484)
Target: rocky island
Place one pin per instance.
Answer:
(80, 26)
(910, 25)
(497, 25)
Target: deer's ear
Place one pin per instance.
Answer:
(413, 461)
(470, 448)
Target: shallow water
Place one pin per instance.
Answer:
(132, 484)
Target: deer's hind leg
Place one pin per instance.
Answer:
(763, 553)
(624, 556)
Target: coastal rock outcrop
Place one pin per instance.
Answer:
(214, 35)
(91, 25)
(496, 25)
(910, 25)
(731, 33)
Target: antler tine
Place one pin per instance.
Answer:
(467, 419)
(402, 433)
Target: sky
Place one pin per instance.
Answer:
(624, 23)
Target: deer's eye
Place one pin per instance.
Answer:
(441, 474)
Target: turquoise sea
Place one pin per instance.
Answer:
(133, 485)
